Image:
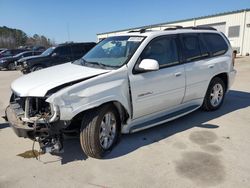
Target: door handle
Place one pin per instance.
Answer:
(177, 74)
(210, 66)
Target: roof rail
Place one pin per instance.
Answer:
(191, 27)
(173, 27)
(143, 30)
(201, 27)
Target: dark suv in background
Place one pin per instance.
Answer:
(62, 53)
(9, 62)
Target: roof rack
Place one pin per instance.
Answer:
(143, 30)
(173, 27)
(201, 27)
(191, 27)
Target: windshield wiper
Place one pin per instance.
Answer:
(102, 65)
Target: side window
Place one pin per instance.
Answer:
(163, 49)
(27, 54)
(216, 44)
(191, 47)
(63, 51)
(89, 46)
(78, 49)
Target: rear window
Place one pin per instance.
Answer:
(215, 43)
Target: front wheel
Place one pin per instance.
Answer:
(36, 68)
(215, 95)
(99, 131)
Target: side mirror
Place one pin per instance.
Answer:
(54, 55)
(148, 65)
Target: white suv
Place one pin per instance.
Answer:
(124, 84)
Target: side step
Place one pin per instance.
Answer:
(163, 119)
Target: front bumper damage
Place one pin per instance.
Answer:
(29, 119)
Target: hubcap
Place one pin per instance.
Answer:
(216, 95)
(107, 130)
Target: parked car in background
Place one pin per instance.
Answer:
(38, 48)
(12, 52)
(125, 84)
(9, 62)
(55, 55)
(2, 49)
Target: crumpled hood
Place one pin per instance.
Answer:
(38, 83)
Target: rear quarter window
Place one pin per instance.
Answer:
(215, 43)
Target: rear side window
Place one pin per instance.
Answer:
(215, 43)
(191, 47)
(76, 49)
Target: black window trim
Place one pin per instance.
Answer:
(201, 39)
(221, 35)
(179, 54)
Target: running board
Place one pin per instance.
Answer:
(163, 119)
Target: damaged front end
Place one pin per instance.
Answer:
(34, 118)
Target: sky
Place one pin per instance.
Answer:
(80, 21)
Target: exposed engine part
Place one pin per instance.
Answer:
(51, 144)
(33, 109)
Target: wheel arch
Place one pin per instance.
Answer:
(224, 77)
(122, 111)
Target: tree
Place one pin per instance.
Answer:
(13, 38)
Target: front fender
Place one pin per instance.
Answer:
(88, 96)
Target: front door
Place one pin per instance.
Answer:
(157, 91)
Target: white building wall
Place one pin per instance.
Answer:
(222, 23)
(246, 39)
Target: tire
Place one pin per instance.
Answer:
(216, 89)
(93, 135)
(36, 68)
(11, 66)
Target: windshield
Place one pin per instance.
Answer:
(112, 52)
(48, 51)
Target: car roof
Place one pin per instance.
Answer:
(166, 32)
(75, 43)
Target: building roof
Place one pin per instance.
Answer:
(171, 22)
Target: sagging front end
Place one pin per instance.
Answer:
(34, 118)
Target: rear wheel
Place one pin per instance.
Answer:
(215, 95)
(99, 131)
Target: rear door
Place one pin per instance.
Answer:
(158, 90)
(199, 62)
